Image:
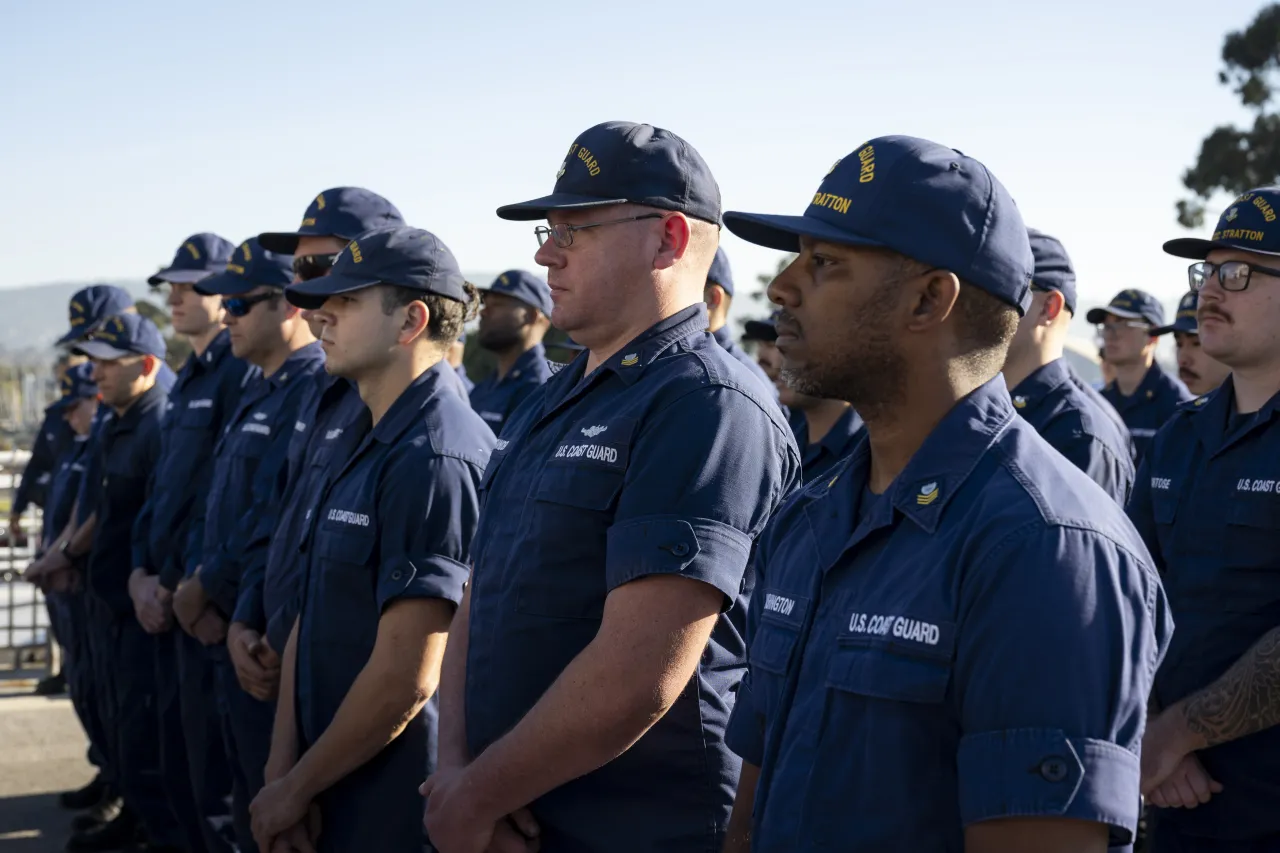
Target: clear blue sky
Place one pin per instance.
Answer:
(125, 126)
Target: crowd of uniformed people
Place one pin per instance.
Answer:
(902, 581)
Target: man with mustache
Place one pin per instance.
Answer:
(1208, 506)
(1200, 373)
(953, 632)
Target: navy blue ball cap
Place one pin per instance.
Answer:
(92, 305)
(919, 199)
(77, 384)
(1130, 305)
(762, 330)
(345, 212)
(1053, 267)
(1248, 224)
(720, 272)
(123, 335)
(525, 286)
(1185, 320)
(399, 255)
(619, 162)
(199, 256)
(250, 266)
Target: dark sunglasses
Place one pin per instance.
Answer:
(238, 306)
(307, 267)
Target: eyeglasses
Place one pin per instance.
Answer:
(1117, 328)
(563, 234)
(238, 306)
(1232, 275)
(307, 267)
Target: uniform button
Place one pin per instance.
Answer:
(1053, 769)
(680, 549)
(395, 576)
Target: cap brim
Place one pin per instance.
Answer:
(1196, 249)
(281, 242)
(1099, 315)
(1190, 329)
(173, 276)
(537, 208)
(71, 337)
(101, 350)
(223, 284)
(784, 232)
(757, 331)
(310, 295)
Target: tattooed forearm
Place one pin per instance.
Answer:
(1246, 699)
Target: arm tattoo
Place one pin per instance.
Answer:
(1246, 699)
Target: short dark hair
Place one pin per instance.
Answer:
(986, 327)
(447, 316)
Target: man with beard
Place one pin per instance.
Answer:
(718, 295)
(203, 399)
(591, 665)
(1067, 413)
(1200, 373)
(1206, 503)
(514, 318)
(825, 430)
(953, 633)
(1142, 392)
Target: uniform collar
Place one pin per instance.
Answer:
(837, 439)
(527, 362)
(1211, 416)
(407, 409)
(939, 468)
(1152, 386)
(630, 362)
(724, 338)
(1033, 390)
(296, 363)
(150, 399)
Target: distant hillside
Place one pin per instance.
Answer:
(33, 318)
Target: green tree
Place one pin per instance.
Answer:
(1233, 159)
(178, 347)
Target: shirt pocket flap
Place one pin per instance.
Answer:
(882, 674)
(345, 543)
(772, 647)
(1256, 510)
(585, 488)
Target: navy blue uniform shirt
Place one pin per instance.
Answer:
(1149, 407)
(205, 395)
(1080, 424)
(820, 456)
(128, 447)
(394, 523)
(976, 643)
(254, 449)
(461, 371)
(668, 459)
(1208, 505)
(330, 410)
(495, 399)
(725, 339)
(63, 486)
(52, 442)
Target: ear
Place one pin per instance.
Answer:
(1054, 304)
(932, 299)
(416, 318)
(150, 364)
(713, 295)
(675, 241)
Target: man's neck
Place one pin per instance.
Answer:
(120, 410)
(1254, 387)
(603, 350)
(507, 358)
(272, 362)
(1130, 376)
(1016, 370)
(822, 416)
(200, 342)
(382, 388)
(898, 431)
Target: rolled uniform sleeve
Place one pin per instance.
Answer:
(428, 509)
(1049, 615)
(681, 510)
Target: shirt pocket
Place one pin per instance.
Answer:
(344, 578)
(1251, 550)
(772, 652)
